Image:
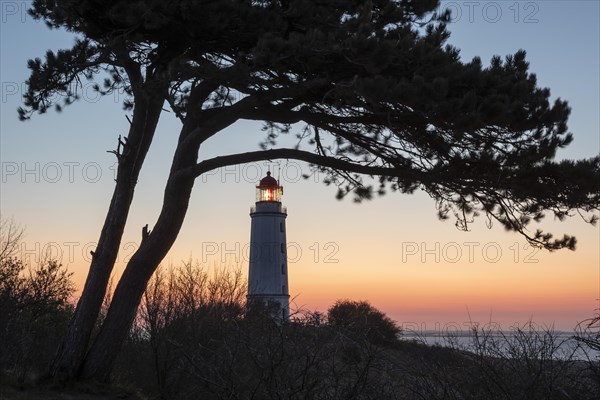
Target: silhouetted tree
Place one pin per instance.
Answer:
(361, 318)
(371, 87)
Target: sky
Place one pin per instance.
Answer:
(57, 179)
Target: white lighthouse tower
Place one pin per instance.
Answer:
(268, 275)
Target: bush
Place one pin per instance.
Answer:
(193, 340)
(362, 319)
(183, 308)
(35, 311)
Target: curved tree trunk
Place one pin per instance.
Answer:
(153, 248)
(133, 282)
(155, 244)
(131, 154)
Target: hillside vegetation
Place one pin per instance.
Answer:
(194, 339)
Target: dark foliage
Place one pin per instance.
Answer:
(359, 318)
(35, 310)
(192, 353)
(193, 340)
(374, 87)
(588, 335)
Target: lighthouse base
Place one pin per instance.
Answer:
(275, 306)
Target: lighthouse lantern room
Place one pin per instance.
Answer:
(267, 275)
(268, 189)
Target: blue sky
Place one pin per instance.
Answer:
(57, 181)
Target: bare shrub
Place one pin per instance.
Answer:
(192, 329)
(35, 304)
(588, 335)
(182, 308)
(259, 358)
(11, 235)
(525, 363)
(194, 338)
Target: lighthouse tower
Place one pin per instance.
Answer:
(267, 276)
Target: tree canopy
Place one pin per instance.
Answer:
(372, 88)
(362, 319)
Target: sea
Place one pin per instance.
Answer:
(559, 345)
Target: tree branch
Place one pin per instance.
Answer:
(301, 155)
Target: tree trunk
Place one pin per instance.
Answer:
(132, 284)
(155, 244)
(71, 353)
(153, 248)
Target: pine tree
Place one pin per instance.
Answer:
(372, 87)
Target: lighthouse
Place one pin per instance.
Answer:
(268, 274)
